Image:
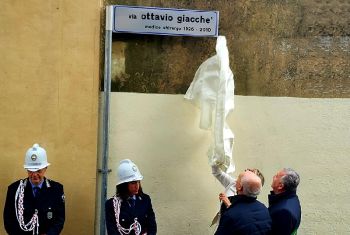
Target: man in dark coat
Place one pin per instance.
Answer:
(34, 205)
(246, 215)
(284, 205)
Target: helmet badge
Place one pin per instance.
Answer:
(134, 168)
(34, 157)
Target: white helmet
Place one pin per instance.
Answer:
(128, 171)
(35, 158)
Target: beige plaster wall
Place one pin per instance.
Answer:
(49, 73)
(160, 133)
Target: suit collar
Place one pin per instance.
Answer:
(273, 197)
(242, 198)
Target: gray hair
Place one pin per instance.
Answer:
(251, 185)
(290, 180)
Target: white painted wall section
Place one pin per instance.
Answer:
(160, 133)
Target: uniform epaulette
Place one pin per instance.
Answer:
(48, 183)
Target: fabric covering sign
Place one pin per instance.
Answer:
(212, 90)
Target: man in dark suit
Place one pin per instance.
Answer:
(34, 205)
(284, 205)
(246, 215)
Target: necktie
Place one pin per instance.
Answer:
(132, 202)
(36, 191)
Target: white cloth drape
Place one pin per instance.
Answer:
(212, 90)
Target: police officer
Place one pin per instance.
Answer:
(130, 210)
(34, 205)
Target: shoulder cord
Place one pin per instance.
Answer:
(33, 224)
(134, 226)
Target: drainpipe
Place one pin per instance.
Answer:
(105, 126)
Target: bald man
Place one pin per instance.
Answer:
(246, 215)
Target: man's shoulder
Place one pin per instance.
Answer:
(14, 185)
(249, 216)
(247, 203)
(289, 201)
(260, 205)
(285, 206)
(54, 184)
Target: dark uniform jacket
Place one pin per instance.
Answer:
(223, 207)
(142, 210)
(49, 203)
(285, 212)
(246, 216)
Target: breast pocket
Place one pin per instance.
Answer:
(50, 214)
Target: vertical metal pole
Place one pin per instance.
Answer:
(107, 90)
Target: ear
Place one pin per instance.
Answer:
(280, 186)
